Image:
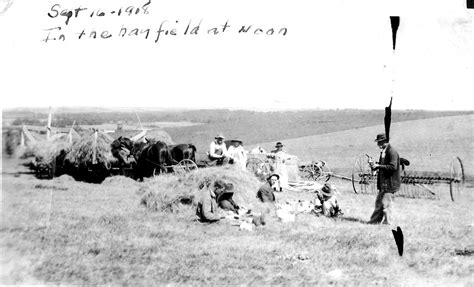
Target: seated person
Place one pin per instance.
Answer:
(218, 151)
(265, 193)
(224, 196)
(237, 153)
(328, 205)
(207, 210)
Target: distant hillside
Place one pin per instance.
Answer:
(429, 144)
(255, 127)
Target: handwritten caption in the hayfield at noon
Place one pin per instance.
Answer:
(63, 17)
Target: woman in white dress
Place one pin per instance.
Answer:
(239, 155)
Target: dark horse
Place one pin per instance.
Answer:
(152, 158)
(183, 151)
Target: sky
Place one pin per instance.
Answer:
(336, 54)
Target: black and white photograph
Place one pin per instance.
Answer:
(205, 142)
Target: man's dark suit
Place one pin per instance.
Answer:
(388, 177)
(388, 182)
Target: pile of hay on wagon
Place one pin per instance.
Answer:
(48, 154)
(91, 157)
(170, 193)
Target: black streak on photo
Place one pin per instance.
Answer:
(395, 22)
(470, 4)
(388, 120)
(398, 236)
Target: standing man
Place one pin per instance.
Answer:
(388, 180)
(280, 157)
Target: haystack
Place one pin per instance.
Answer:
(168, 193)
(159, 135)
(140, 135)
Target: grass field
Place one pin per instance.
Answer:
(65, 232)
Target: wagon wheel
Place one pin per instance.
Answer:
(258, 167)
(184, 166)
(457, 178)
(317, 171)
(363, 178)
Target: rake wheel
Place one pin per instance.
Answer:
(184, 166)
(363, 178)
(457, 178)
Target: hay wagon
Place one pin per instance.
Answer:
(364, 180)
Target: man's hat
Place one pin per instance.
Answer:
(381, 137)
(328, 190)
(228, 188)
(270, 176)
(278, 144)
(237, 141)
(220, 136)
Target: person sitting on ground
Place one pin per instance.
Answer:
(218, 151)
(239, 155)
(265, 193)
(328, 205)
(207, 210)
(224, 197)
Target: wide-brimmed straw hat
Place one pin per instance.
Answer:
(279, 144)
(381, 137)
(219, 136)
(271, 175)
(328, 190)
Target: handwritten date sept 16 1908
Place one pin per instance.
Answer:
(57, 11)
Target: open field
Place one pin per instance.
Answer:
(429, 144)
(65, 232)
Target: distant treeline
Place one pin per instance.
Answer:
(250, 126)
(96, 118)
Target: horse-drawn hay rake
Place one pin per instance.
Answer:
(318, 171)
(414, 184)
(260, 165)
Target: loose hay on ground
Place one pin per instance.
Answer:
(169, 192)
(120, 180)
(65, 178)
